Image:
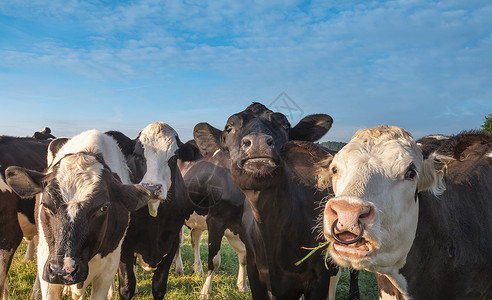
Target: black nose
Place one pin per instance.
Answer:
(154, 189)
(257, 141)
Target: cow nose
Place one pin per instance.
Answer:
(349, 216)
(257, 141)
(66, 271)
(154, 189)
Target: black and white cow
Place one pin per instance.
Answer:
(82, 212)
(16, 214)
(282, 206)
(421, 219)
(218, 209)
(154, 232)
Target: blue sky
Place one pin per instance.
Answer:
(120, 65)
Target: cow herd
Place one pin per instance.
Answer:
(417, 213)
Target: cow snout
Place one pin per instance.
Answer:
(154, 189)
(350, 217)
(62, 272)
(156, 195)
(257, 142)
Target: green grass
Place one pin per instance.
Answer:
(187, 286)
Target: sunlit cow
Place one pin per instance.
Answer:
(421, 220)
(281, 206)
(83, 205)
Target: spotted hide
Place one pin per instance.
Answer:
(83, 204)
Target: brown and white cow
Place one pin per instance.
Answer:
(83, 205)
(423, 225)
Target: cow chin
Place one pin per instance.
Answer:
(352, 257)
(254, 175)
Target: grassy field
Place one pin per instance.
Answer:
(188, 286)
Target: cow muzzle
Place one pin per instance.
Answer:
(345, 221)
(66, 271)
(156, 195)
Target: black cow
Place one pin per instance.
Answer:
(417, 213)
(82, 212)
(154, 232)
(16, 214)
(280, 214)
(218, 209)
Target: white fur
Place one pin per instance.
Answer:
(370, 171)
(159, 142)
(333, 285)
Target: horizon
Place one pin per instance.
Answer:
(425, 66)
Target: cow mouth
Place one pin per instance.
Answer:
(362, 248)
(259, 165)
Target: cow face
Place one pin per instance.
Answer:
(82, 210)
(376, 178)
(154, 159)
(254, 138)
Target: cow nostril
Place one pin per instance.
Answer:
(269, 141)
(246, 143)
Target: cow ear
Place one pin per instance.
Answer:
(54, 147)
(25, 183)
(311, 128)
(132, 196)
(306, 160)
(189, 151)
(207, 137)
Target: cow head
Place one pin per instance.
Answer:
(254, 138)
(80, 205)
(154, 161)
(376, 178)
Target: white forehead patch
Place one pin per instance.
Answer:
(388, 147)
(160, 138)
(78, 176)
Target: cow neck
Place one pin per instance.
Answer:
(271, 203)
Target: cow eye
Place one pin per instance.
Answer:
(104, 208)
(286, 126)
(410, 174)
(334, 170)
(228, 128)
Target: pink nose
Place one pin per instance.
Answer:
(349, 216)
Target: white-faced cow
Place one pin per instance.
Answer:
(82, 212)
(218, 209)
(154, 232)
(281, 208)
(386, 216)
(16, 214)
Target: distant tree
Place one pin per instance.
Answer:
(335, 146)
(487, 125)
